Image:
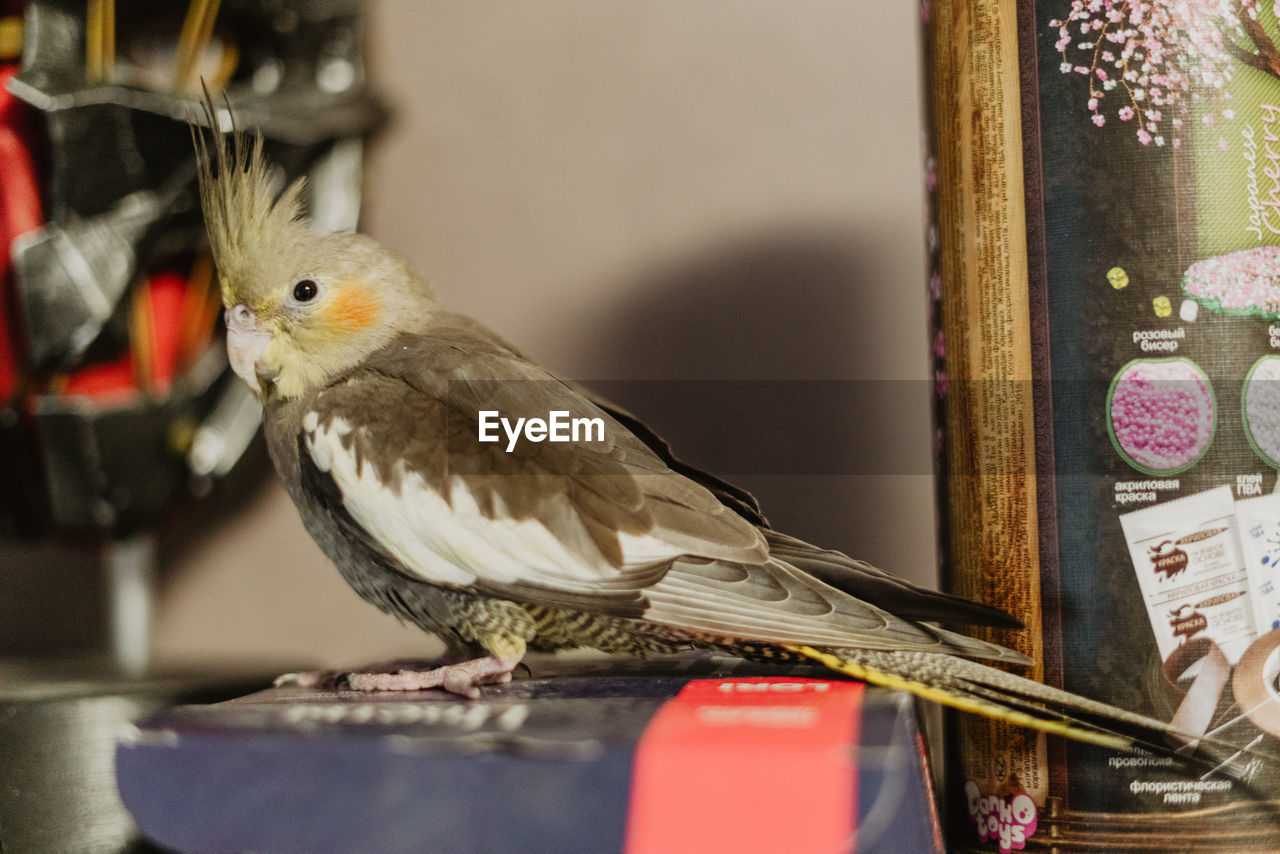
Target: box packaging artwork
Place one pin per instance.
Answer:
(690, 755)
(1104, 183)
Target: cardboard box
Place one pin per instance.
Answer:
(698, 755)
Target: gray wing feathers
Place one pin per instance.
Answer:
(397, 435)
(776, 603)
(866, 582)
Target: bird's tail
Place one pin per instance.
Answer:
(977, 688)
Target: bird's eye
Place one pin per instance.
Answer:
(305, 290)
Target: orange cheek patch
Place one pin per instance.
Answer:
(353, 307)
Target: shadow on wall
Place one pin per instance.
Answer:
(764, 362)
(770, 306)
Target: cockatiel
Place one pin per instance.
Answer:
(372, 396)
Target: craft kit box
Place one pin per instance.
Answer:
(697, 758)
(1104, 180)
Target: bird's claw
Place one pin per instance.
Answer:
(302, 679)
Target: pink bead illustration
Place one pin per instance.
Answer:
(1161, 414)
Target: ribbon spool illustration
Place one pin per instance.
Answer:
(1207, 697)
(1254, 683)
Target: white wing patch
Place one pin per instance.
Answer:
(452, 542)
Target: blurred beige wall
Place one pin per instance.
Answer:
(724, 189)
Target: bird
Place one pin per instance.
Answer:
(374, 402)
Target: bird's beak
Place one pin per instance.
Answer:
(246, 341)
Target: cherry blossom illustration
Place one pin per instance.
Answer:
(1146, 59)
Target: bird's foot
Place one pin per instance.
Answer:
(336, 679)
(460, 678)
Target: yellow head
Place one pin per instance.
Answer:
(300, 306)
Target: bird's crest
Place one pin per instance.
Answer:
(245, 221)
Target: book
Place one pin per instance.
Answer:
(693, 754)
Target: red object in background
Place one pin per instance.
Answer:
(102, 380)
(163, 299)
(19, 212)
(168, 293)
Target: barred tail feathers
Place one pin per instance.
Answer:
(982, 690)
